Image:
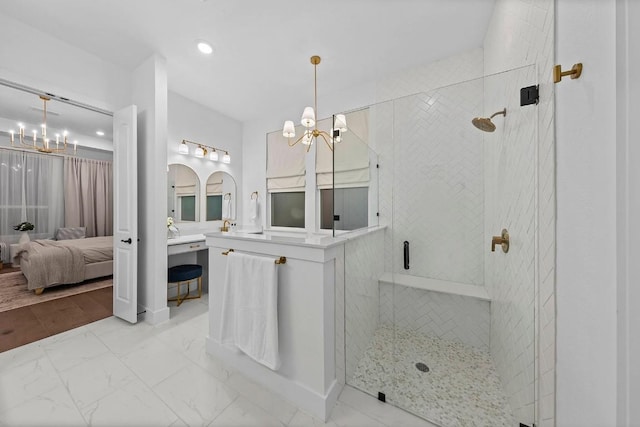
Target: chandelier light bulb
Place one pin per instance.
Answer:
(337, 136)
(40, 140)
(308, 137)
(308, 117)
(341, 123)
(288, 130)
(213, 156)
(226, 158)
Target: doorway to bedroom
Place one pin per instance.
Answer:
(54, 202)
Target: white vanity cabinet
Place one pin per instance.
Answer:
(306, 315)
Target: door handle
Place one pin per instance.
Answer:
(126, 241)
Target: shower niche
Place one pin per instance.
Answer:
(435, 321)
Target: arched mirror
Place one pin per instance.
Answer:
(221, 196)
(183, 189)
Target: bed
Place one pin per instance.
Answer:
(47, 263)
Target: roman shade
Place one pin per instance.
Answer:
(351, 156)
(185, 182)
(214, 184)
(285, 165)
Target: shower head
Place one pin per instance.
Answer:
(485, 124)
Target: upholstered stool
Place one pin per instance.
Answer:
(185, 273)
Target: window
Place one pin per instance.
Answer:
(187, 208)
(350, 205)
(214, 207)
(287, 209)
(31, 189)
(285, 181)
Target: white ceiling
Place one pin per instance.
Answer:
(262, 48)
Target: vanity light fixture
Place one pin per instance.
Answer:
(204, 150)
(183, 148)
(308, 120)
(41, 143)
(99, 133)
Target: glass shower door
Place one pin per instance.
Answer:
(461, 317)
(435, 322)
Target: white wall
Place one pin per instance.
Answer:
(628, 207)
(194, 122)
(150, 96)
(586, 249)
(33, 58)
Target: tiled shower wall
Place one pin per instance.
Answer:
(363, 265)
(423, 79)
(521, 32)
(438, 197)
(510, 203)
(456, 318)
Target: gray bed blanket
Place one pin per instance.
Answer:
(48, 263)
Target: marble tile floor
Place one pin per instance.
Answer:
(460, 389)
(111, 373)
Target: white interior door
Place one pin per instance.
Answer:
(125, 216)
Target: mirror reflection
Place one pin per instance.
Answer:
(221, 196)
(183, 187)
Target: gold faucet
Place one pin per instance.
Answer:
(225, 226)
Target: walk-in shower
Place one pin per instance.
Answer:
(450, 335)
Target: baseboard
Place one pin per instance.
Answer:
(320, 406)
(155, 317)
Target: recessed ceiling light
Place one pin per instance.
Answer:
(205, 47)
(99, 133)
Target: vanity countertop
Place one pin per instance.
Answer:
(294, 239)
(189, 238)
(321, 241)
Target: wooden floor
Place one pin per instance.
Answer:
(27, 324)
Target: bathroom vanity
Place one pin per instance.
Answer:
(307, 319)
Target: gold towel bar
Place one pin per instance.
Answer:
(281, 260)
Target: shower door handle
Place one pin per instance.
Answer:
(406, 255)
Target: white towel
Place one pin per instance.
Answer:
(227, 209)
(250, 307)
(253, 209)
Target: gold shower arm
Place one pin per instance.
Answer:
(503, 112)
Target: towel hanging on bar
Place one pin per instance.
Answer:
(281, 260)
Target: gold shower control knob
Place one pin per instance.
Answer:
(502, 240)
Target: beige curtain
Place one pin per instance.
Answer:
(88, 195)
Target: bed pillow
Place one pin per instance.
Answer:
(70, 233)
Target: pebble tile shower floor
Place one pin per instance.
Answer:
(461, 388)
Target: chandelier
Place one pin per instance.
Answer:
(311, 132)
(41, 143)
(203, 150)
